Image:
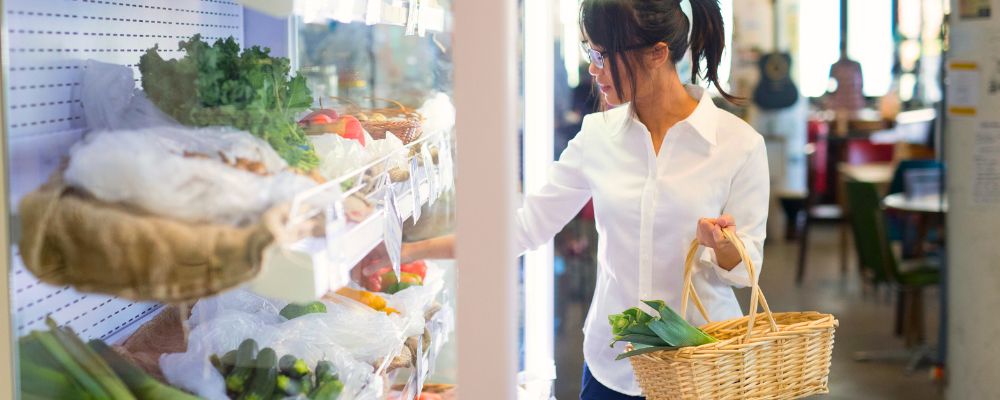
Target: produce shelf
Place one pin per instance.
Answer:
(309, 268)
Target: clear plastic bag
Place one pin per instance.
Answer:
(351, 336)
(390, 147)
(168, 169)
(112, 102)
(439, 114)
(413, 302)
(337, 155)
(151, 172)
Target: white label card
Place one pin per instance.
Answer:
(415, 189)
(373, 12)
(393, 235)
(430, 171)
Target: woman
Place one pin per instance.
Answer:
(663, 165)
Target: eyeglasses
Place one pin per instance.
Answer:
(597, 57)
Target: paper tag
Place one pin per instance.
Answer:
(393, 235)
(431, 172)
(415, 189)
(447, 172)
(421, 367)
(373, 12)
(412, 17)
(421, 30)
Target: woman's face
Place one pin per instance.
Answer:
(644, 76)
(604, 82)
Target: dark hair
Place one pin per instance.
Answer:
(616, 25)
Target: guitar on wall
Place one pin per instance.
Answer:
(775, 90)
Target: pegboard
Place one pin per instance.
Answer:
(47, 43)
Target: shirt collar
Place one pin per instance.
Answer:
(703, 120)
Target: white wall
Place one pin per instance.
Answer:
(973, 363)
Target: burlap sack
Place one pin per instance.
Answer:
(70, 238)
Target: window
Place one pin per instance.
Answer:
(870, 42)
(819, 44)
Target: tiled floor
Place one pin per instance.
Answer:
(865, 324)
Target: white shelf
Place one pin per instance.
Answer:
(372, 12)
(309, 268)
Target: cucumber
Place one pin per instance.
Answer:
(288, 385)
(264, 377)
(292, 366)
(228, 362)
(293, 310)
(306, 383)
(244, 368)
(329, 390)
(324, 373)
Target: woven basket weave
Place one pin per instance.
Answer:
(781, 356)
(402, 121)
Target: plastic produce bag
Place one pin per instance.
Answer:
(151, 172)
(112, 102)
(414, 301)
(348, 335)
(439, 114)
(338, 155)
(390, 147)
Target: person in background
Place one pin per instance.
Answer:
(663, 165)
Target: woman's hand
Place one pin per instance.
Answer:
(710, 235)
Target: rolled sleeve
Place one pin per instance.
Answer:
(748, 204)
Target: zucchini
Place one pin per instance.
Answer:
(238, 377)
(262, 385)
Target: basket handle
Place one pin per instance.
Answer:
(756, 294)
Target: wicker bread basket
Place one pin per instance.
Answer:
(70, 238)
(781, 356)
(403, 122)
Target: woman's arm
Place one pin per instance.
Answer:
(546, 211)
(746, 213)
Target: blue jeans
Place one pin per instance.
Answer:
(591, 389)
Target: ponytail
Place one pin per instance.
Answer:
(618, 25)
(708, 41)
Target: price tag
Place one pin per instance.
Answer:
(447, 167)
(415, 189)
(373, 12)
(393, 235)
(431, 172)
(421, 30)
(336, 223)
(412, 17)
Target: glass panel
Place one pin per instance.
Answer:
(235, 197)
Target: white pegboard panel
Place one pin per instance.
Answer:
(47, 43)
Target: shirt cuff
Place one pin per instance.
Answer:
(738, 276)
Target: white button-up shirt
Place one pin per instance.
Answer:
(646, 208)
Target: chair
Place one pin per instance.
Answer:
(905, 228)
(879, 266)
(824, 159)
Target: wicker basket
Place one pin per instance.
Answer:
(71, 238)
(781, 356)
(405, 123)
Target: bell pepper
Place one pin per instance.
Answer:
(416, 267)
